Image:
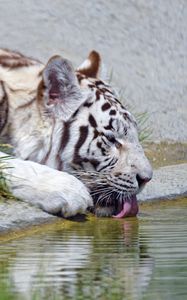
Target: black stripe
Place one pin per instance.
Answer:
(109, 126)
(105, 106)
(87, 104)
(105, 90)
(104, 138)
(3, 108)
(65, 136)
(112, 112)
(94, 162)
(112, 161)
(92, 121)
(63, 143)
(103, 150)
(117, 184)
(99, 82)
(96, 134)
(82, 138)
(97, 94)
(124, 180)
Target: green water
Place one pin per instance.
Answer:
(135, 258)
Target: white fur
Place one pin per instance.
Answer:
(85, 65)
(36, 132)
(49, 189)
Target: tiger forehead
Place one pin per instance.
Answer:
(107, 98)
(101, 90)
(94, 84)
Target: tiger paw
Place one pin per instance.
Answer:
(65, 195)
(53, 191)
(68, 199)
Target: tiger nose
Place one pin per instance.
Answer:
(143, 180)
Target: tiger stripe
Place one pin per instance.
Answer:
(63, 143)
(83, 133)
(13, 59)
(3, 106)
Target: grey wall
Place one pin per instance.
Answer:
(143, 41)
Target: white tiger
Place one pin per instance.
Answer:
(71, 121)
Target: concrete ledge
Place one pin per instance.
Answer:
(167, 183)
(15, 215)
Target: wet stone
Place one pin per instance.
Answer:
(16, 215)
(167, 183)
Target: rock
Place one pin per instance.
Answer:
(167, 183)
(16, 215)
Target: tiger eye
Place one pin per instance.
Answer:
(112, 140)
(118, 145)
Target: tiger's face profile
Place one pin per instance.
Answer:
(76, 123)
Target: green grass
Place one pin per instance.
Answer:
(145, 131)
(142, 118)
(4, 191)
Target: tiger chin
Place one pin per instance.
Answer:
(75, 145)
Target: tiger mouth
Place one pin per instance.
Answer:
(127, 208)
(106, 203)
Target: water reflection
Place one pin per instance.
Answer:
(100, 259)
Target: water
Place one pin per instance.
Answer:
(135, 258)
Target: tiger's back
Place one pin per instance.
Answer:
(19, 78)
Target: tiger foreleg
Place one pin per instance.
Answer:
(53, 191)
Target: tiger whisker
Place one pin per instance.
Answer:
(99, 192)
(107, 194)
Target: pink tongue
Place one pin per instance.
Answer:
(130, 208)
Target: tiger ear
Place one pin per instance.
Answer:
(62, 94)
(91, 67)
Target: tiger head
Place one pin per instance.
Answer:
(100, 142)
